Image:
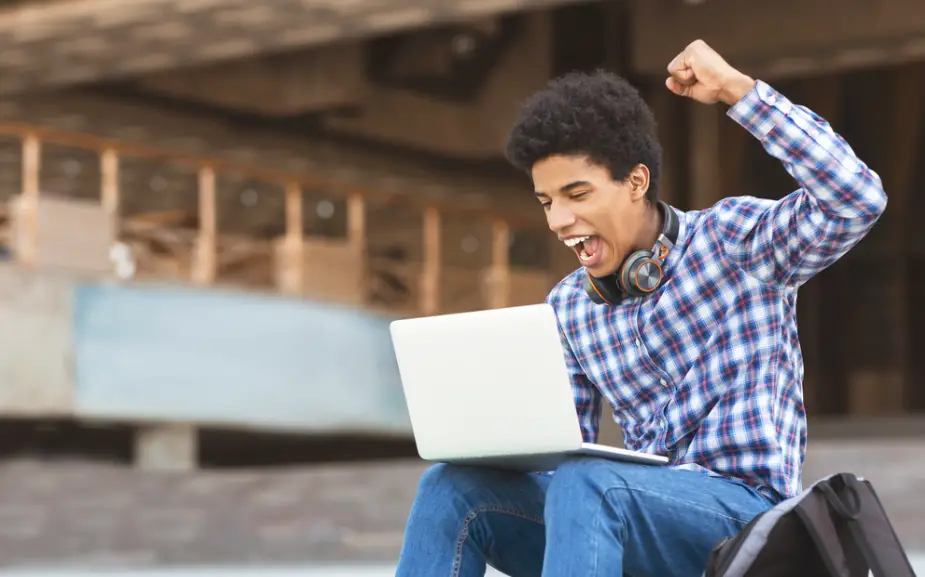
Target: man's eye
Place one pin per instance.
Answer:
(579, 194)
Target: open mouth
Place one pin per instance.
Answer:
(587, 248)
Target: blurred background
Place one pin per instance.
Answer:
(211, 209)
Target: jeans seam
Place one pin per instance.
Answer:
(470, 517)
(596, 533)
(679, 501)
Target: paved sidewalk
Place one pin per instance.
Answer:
(918, 562)
(71, 514)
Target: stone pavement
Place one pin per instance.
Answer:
(918, 565)
(85, 514)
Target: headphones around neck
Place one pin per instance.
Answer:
(641, 271)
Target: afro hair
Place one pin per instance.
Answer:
(598, 115)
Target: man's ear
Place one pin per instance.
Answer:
(638, 180)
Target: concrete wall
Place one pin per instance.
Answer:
(209, 357)
(158, 353)
(36, 343)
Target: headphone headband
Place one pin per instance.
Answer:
(670, 230)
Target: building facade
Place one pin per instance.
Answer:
(221, 142)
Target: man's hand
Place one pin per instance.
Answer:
(700, 73)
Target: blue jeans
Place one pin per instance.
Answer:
(591, 518)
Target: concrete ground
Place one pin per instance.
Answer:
(337, 520)
(918, 562)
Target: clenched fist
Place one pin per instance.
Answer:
(699, 72)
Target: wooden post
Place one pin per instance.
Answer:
(500, 294)
(704, 156)
(906, 110)
(294, 213)
(356, 238)
(205, 263)
(109, 185)
(430, 275)
(166, 447)
(293, 275)
(27, 219)
(356, 224)
(665, 107)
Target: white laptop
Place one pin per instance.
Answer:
(491, 388)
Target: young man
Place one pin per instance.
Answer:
(693, 344)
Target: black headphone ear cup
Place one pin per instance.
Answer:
(629, 269)
(603, 291)
(641, 274)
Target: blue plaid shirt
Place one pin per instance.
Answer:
(712, 360)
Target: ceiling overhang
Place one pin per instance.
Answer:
(782, 39)
(54, 43)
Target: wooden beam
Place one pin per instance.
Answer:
(500, 292)
(31, 165)
(205, 266)
(294, 246)
(356, 224)
(447, 206)
(430, 275)
(794, 36)
(205, 263)
(294, 212)
(109, 184)
(27, 219)
(357, 239)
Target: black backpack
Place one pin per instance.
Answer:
(835, 528)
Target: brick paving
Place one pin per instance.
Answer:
(80, 513)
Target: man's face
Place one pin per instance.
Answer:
(599, 218)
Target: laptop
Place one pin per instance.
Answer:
(491, 388)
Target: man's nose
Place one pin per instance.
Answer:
(559, 218)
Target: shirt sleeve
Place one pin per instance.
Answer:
(786, 242)
(587, 396)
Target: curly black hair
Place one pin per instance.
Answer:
(598, 115)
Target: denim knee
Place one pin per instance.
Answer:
(575, 479)
(448, 488)
(581, 482)
(438, 480)
(585, 473)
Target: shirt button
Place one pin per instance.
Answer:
(662, 382)
(637, 343)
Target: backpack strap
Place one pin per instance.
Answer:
(858, 507)
(814, 512)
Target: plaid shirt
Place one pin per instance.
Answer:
(712, 360)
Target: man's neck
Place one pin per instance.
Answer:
(652, 228)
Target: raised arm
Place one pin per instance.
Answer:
(784, 242)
